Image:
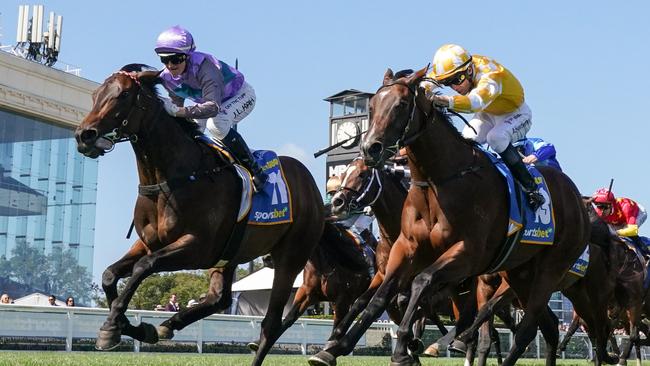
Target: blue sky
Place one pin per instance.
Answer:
(582, 65)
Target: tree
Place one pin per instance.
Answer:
(28, 265)
(157, 288)
(66, 277)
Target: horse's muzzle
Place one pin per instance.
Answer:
(373, 152)
(88, 143)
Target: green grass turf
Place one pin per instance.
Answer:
(163, 359)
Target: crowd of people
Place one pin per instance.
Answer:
(51, 300)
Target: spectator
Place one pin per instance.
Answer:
(69, 301)
(172, 305)
(52, 300)
(4, 299)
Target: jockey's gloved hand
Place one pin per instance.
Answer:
(441, 100)
(368, 211)
(171, 108)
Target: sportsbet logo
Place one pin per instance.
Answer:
(538, 233)
(275, 214)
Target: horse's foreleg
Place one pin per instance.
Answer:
(173, 257)
(357, 307)
(218, 298)
(484, 341)
(502, 297)
(272, 323)
(449, 269)
(121, 269)
(303, 299)
(345, 344)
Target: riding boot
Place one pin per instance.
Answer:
(238, 147)
(513, 160)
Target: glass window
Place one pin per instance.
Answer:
(48, 191)
(337, 109)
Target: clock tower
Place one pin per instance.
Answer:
(348, 117)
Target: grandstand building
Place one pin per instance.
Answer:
(47, 189)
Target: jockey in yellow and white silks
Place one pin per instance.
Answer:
(496, 98)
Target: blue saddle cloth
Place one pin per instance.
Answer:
(273, 204)
(539, 225)
(579, 268)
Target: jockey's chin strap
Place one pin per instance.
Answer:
(119, 134)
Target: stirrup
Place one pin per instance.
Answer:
(259, 180)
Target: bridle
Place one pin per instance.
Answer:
(364, 196)
(137, 112)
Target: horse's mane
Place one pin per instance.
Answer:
(189, 127)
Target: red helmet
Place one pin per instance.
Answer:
(604, 195)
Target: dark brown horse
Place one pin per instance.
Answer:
(187, 210)
(455, 219)
(336, 272)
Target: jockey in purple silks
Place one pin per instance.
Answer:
(222, 96)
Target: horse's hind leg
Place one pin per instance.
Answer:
(548, 325)
(218, 298)
(272, 323)
(573, 327)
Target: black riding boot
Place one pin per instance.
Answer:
(513, 160)
(237, 146)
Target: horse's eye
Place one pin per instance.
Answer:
(124, 94)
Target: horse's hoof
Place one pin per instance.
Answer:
(322, 358)
(458, 346)
(164, 332)
(432, 351)
(150, 333)
(415, 346)
(108, 340)
(406, 362)
(611, 359)
(253, 346)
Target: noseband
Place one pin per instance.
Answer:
(119, 134)
(363, 198)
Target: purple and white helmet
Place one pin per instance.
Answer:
(175, 40)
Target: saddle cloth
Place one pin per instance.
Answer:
(538, 226)
(272, 205)
(579, 268)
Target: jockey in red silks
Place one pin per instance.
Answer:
(624, 214)
(222, 96)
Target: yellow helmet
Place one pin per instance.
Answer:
(333, 184)
(448, 60)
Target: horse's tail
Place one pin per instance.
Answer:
(339, 250)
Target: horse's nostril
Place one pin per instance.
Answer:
(337, 202)
(375, 150)
(88, 136)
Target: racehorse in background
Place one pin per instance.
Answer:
(454, 221)
(336, 272)
(187, 209)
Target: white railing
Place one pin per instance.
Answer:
(78, 322)
(22, 321)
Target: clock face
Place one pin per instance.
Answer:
(345, 131)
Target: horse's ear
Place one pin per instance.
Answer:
(418, 75)
(148, 77)
(388, 76)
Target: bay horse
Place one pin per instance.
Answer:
(336, 272)
(187, 210)
(454, 221)
(383, 190)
